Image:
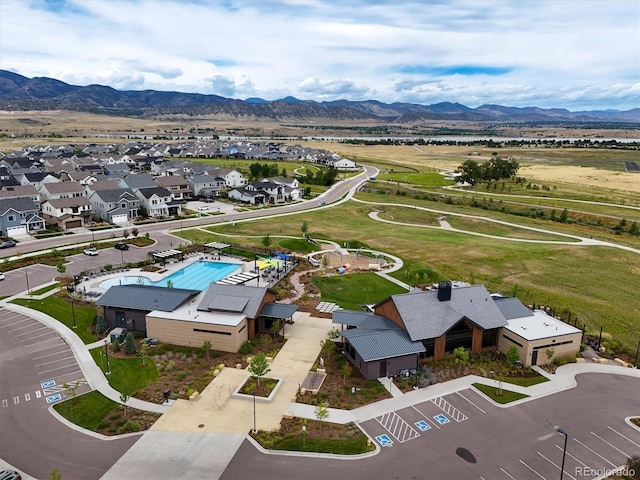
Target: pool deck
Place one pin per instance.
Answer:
(90, 285)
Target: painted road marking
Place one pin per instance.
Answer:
(384, 440)
(471, 402)
(569, 455)
(54, 398)
(27, 397)
(611, 445)
(507, 473)
(5, 403)
(16, 400)
(595, 453)
(626, 438)
(557, 466)
(423, 426)
(532, 470)
(397, 427)
(449, 409)
(441, 419)
(47, 384)
(38, 394)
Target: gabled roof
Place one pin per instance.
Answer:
(511, 307)
(375, 337)
(138, 180)
(145, 297)
(12, 191)
(233, 298)
(19, 204)
(278, 310)
(424, 316)
(110, 196)
(68, 202)
(151, 191)
(170, 181)
(62, 187)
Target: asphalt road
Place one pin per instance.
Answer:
(34, 363)
(519, 442)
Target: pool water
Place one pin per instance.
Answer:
(196, 276)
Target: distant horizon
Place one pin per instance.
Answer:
(342, 99)
(578, 55)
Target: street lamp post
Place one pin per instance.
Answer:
(26, 275)
(564, 451)
(106, 354)
(254, 412)
(73, 313)
(121, 258)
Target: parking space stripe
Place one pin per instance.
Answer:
(626, 438)
(425, 417)
(471, 402)
(54, 361)
(48, 333)
(557, 466)
(32, 330)
(397, 427)
(569, 455)
(530, 468)
(507, 474)
(611, 445)
(595, 453)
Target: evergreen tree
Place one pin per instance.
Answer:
(129, 344)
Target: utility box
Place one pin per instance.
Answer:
(115, 334)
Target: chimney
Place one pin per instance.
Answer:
(444, 291)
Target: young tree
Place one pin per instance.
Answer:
(322, 413)
(512, 355)
(549, 353)
(144, 347)
(124, 398)
(462, 355)
(206, 346)
(564, 216)
(266, 241)
(134, 232)
(129, 345)
(125, 233)
(61, 268)
(259, 366)
(346, 372)
(304, 229)
(101, 325)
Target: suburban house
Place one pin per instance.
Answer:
(16, 191)
(205, 185)
(177, 185)
(66, 213)
(55, 191)
(432, 324)
(19, 216)
(232, 177)
(36, 178)
(158, 202)
(244, 195)
(119, 205)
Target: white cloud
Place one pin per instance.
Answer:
(573, 54)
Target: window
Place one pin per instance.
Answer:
(512, 340)
(11, 218)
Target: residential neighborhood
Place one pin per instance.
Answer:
(75, 186)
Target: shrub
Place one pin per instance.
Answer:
(246, 348)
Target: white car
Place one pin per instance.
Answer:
(202, 208)
(92, 252)
(1, 276)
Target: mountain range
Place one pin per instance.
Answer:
(19, 93)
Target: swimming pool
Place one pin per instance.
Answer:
(196, 276)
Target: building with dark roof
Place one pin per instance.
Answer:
(127, 306)
(432, 324)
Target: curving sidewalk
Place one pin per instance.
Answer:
(92, 373)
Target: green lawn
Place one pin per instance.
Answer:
(86, 411)
(127, 374)
(523, 381)
(338, 446)
(45, 289)
(61, 310)
(351, 290)
(507, 396)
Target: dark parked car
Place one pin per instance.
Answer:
(121, 246)
(8, 244)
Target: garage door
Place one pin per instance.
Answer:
(15, 231)
(119, 219)
(73, 224)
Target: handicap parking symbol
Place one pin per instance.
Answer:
(384, 440)
(47, 384)
(441, 419)
(54, 398)
(423, 426)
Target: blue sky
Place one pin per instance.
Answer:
(579, 55)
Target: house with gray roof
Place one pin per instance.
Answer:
(115, 205)
(19, 216)
(205, 185)
(158, 202)
(177, 185)
(66, 213)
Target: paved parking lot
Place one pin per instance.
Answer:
(508, 443)
(52, 361)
